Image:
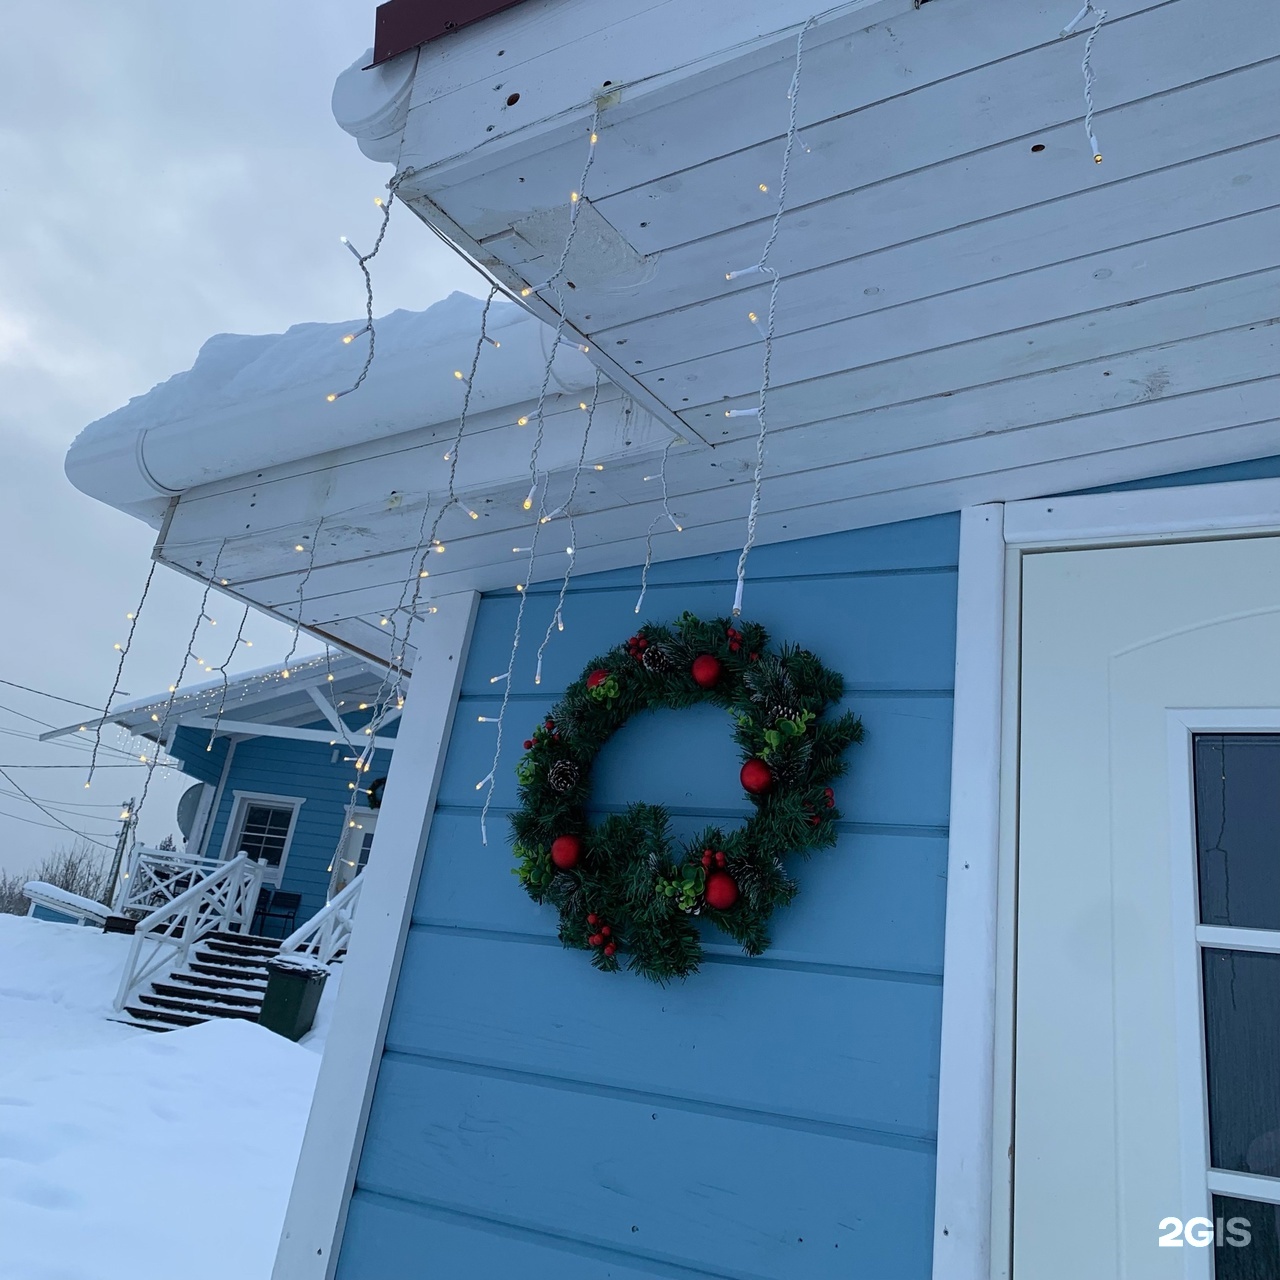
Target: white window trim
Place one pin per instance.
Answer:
(322, 1186)
(973, 1189)
(240, 800)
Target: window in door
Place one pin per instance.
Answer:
(1237, 808)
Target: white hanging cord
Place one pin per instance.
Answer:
(222, 670)
(771, 325)
(576, 200)
(390, 690)
(302, 587)
(575, 203)
(362, 261)
(1100, 16)
(115, 683)
(557, 618)
(653, 524)
(163, 720)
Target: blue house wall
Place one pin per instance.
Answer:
(285, 767)
(772, 1117)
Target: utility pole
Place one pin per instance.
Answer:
(128, 820)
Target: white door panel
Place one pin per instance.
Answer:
(1112, 640)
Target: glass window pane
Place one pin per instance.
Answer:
(1247, 1246)
(1237, 782)
(1242, 1042)
(263, 832)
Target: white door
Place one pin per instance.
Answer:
(1147, 1042)
(353, 850)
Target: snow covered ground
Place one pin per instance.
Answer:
(127, 1155)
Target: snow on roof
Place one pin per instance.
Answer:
(256, 401)
(148, 716)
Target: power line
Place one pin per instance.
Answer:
(48, 814)
(137, 764)
(14, 711)
(48, 826)
(61, 808)
(41, 693)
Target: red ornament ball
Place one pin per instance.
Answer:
(756, 777)
(597, 678)
(721, 891)
(565, 851)
(528, 743)
(706, 671)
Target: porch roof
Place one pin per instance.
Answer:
(264, 702)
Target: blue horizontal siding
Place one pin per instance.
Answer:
(767, 1118)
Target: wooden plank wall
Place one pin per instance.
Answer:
(769, 1118)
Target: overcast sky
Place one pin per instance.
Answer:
(167, 172)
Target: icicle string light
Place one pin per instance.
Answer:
(575, 207)
(302, 587)
(753, 513)
(222, 700)
(182, 671)
(115, 683)
(1086, 66)
(557, 616)
(653, 524)
(362, 261)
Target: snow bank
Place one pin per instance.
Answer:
(251, 402)
(126, 1155)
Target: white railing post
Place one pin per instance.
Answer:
(216, 901)
(327, 932)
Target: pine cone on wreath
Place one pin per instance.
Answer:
(657, 661)
(563, 776)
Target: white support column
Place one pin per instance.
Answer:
(322, 1185)
(962, 1212)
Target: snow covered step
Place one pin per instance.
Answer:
(249, 946)
(246, 983)
(178, 988)
(160, 1019)
(228, 972)
(200, 1010)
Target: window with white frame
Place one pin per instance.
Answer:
(262, 826)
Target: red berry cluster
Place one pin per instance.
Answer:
(830, 797)
(713, 859)
(636, 646)
(735, 639)
(548, 728)
(601, 937)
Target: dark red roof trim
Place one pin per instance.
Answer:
(404, 24)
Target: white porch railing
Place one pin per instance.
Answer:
(223, 900)
(153, 878)
(327, 932)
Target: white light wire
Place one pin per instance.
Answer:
(771, 325)
(653, 524)
(558, 615)
(1086, 66)
(490, 779)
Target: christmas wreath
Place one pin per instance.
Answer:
(623, 889)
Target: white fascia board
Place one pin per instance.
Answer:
(250, 729)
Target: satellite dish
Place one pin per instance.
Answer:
(187, 807)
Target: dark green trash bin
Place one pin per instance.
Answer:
(294, 986)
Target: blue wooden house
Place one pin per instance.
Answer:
(282, 768)
(1003, 447)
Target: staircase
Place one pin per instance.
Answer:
(225, 976)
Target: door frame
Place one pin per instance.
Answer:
(973, 1215)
